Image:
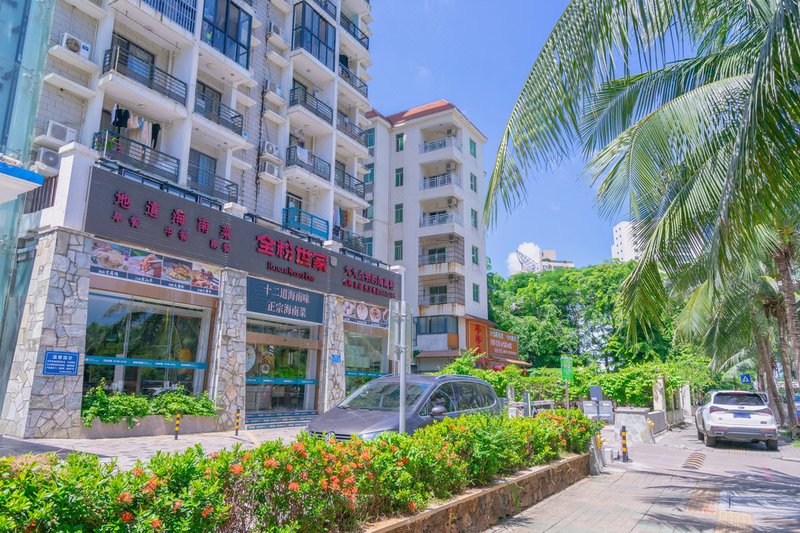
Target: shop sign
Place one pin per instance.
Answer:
(275, 299)
(60, 363)
(280, 381)
(336, 358)
(357, 374)
(503, 343)
(477, 336)
(360, 281)
(362, 313)
(149, 363)
(123, 262)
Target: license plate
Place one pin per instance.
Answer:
(741, 415)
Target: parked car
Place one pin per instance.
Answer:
(740, 416)
(374, 407)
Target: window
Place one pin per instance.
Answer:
(398, 213)
(369, 135)
(202, 169)
(399, 142)
(369, 212)
(445, 397)
(437, 256)
(368, 246)
(398, 250)
(369, 177)
(398, 177)
(436, 325)
(474, 255)
(476, 292)
(473, 149)
(313, 33)
(437, 294)
(473, 182)
(227, 28)
(474, 215)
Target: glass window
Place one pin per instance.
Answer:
(369, 212)
(398, 213)
(312, 32)
(475, 255)
(473, 182)
(473, 150)
(383, 396)
(227, 28)
(398, 250)
(399, 142)
(434, 325)
(398, 177)
(368, 246)
(474, 217)
(470, 396)
(370, 137)
(364, 356)
(476, 292)
(369, 177)
(445, 396)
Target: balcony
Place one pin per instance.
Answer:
(442, 180)
(350, 27)
(218, 113)
(328, 6)
(440, 144)
(180, 12)
(349, 239)
(118, 60)
(301, 97)
(354, 81)
(300, 220)
(447, 297)
(211, 185)
(322, 54)
(136, 156)
(301, 157)
(346, 126)
(441, 260)
(349, 183)
(172, 20)
(438, 219)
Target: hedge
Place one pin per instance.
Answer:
(312, 485)
(114, 407)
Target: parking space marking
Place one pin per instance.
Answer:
(733, 522)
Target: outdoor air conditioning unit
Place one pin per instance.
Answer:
(449, 167)
(272, 87)
(61, 132)
(451, 277)
(451, 237)
(73, 44)
(449, 132)
(269, 168)
(48, 157)
(452, 202)
(277, 30)
(269, 148)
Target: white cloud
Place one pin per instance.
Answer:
(422, 72)
(530, 249)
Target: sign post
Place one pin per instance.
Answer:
(746, 379)
(566, 374)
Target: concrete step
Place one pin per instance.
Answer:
(299, 422)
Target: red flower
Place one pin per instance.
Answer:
(563, 442)
(151, 485)
(126, 517)
(156, 524)
(412, 506)
(351, 505)
(294, 486)
(177, 505)
(125, 497)
(405, 460)
(394, 448)
(324, 484)
(270, 463)
(207, 511)
(137, 472)
(299, 447)
(236, 469)
(399, 463)
(304, 475)
(246, 456)
(213, 455)
(370, 476)
(289, 468)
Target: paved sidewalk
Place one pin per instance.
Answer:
(128, 450)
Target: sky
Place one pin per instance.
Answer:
(477, 55)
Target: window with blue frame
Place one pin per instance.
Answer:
(312, 32)
(227, 28)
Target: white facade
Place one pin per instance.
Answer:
(427, 203)
(625, 247)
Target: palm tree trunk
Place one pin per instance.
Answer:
(784, 263)
(786, 364)
(770, 385)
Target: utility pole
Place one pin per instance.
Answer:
(400, 344)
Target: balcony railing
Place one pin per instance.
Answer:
(350, 27)
(216, 111)
(305, 39)
(439, 144)
(207, 183)
(435, 295)
(119, 60)
(438, 257)
(181, 12)
(297, 219)
(349, 76)
(301, 157)
(439, 218)
(300, 96)
(136, 156)
(344, 125)
(441, 180)
(349, 239)
(349, 183)
(328, 6)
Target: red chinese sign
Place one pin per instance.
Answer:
(368, 282)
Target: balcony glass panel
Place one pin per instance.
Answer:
(297, 219)
(439, 144)
(303, 158)
(227, 28)
(441, 255)
(446, 293)
(350, 27)
(216, 111)
(136, 156)
(349, 183)
(119, 60)
(328, 6)
(301, 96)
(203, 181)
(441, 180)
(435, 219)
(313, 33)
(181, 12)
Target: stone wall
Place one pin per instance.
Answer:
(54, 318)
(478, 509)
(331, 374)
(228, 362)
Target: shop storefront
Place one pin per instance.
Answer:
(365, 342)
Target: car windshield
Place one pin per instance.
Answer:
(383, 396)
(738, 399)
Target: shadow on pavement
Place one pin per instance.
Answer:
(10, 446)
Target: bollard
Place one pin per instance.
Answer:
(238, 414)
(624, 435)
(526, 397)
(177, 425)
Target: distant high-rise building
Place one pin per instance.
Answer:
(625, 247)
(529, 257)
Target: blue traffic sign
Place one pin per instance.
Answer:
(745, 379)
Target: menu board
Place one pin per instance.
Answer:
(142, 266)
(362, 313)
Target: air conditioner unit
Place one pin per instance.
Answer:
(451, 237)
(269, 148)
(452, 202)
(269, 168)
(451, 277)
(277, 30)
(73, 44)
(449, 167)
(271, 86)
(450, 132)
(61, 132)
(48, 157)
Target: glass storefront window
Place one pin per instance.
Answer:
(144, 347)
(364, 355)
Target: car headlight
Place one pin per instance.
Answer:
(371, 435)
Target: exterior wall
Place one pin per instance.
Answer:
(624, 247)
(331, 374)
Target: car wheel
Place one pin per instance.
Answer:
(710, 441)
(772, 445)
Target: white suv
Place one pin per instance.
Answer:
(737, 416)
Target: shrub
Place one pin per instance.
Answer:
(311, 485)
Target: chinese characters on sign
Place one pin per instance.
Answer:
(368, 282)
(299, 255)
(274, 299)
(502, 343)
(60, 363)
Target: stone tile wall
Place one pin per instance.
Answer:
(331, 375)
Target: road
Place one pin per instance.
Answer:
(678, 484)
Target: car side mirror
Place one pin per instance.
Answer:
(699, 404)
(438, 412)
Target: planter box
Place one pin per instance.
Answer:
(151, 425)
(478, 509)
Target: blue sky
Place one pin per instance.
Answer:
(477, 55)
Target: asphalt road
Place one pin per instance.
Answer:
(678, 484)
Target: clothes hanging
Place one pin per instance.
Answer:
(156, 129)
(121, 117)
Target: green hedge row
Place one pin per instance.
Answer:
(115, 407)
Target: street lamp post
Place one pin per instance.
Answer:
(400, 345)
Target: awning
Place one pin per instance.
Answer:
(432, 354)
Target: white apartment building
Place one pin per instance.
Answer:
(625, 247)
(426, 192)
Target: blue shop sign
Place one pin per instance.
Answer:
(275, 299)
(353, 373)
(60, 363)
(148, 363)
(279, 381)
(336, 358)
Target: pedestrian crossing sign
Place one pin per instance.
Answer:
(746, 379)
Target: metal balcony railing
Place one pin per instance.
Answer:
(181, 12)
(349, 76)
(450, 293)
(438, 257)
(297, 219)
(439, 144)
(136, 156)
(439, 218)
(350, 27)
(119, 60)
(441, 180)
(328, 6)
(216, 111)
(300, 96)
(349, 183)
(208, 183)
(303, 158)
(347, 127)
(349, 239)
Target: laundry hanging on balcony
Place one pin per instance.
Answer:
(302, 154)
